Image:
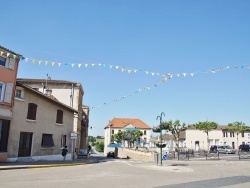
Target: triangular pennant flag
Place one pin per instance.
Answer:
(178, 75)
(236, 67)
(213, 71)
(104, 65)
(8, 54)
(129, 71)
(93, 65)
(72, 65)
(66, 64)
(99, 64)
(14, 56)
(192, 74)
(123, 69)
(146, 72)
(184, 74)
(86, 65)
(228, 67)
(110, 66)
(153, 74)
(33, 60)
(45, 62)
(79, 65)
(39, 62)
(116, 67)
(52, 64)
(26, 59)
(135, 71)
(59, 64)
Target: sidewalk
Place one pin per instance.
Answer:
(45, 164)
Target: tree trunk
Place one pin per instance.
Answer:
(207, 142)
(237, 141)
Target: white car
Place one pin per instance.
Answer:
(226, 149)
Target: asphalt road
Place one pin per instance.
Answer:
(119, 173)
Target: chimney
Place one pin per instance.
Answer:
(48, 92)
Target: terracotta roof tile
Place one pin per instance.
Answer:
(122, 122)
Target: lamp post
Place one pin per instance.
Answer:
(160, 133)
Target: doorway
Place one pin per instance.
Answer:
(25, 143)
(233, 146)
(197, 145)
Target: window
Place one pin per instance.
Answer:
(63, 140)
(145, 132)
(1, 91)
(32, 111)
(4, 134)
(2, 61)
(113, 131)
(47, 141)
(18, 93)
(224, 134)
(59, 117)
(231, 134)
(145, 140)
(242, 134)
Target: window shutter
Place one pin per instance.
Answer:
(8, 92)
(11, 63)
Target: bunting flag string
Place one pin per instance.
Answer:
(165, 79)
(10, 55)
(129, 70)
(162, 81)
(86, 65)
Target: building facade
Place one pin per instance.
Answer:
(71, 94)
(40, 127)
(196, 139)
(122, 124)
(9, 62)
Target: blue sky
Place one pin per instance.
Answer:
(156, 36)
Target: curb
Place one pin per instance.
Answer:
(43, 166)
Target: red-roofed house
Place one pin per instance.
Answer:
(121, 124)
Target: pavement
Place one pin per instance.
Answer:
(45, 164)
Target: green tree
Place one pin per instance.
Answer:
(119, 137)
(91, 139)
(175, 128)
(135, 135)
(206, 127)
(99, 147)
(238, 128)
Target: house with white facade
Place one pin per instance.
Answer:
(122, 124)
(196, 139)
(40, 126)
(71, 94)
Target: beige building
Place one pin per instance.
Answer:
(40, 127)
(71, 94)
(196, 139)
(121, 124)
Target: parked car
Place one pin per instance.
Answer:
(226, 149)
(244, 147)
(111, 154)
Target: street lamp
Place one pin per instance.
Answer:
(160, 145)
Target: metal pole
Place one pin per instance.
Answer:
(161, 134)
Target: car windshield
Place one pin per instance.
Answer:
(228, 147)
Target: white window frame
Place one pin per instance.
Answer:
(3, 90)
(22, 93)
(8, 92)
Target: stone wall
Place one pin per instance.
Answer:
(132, 154)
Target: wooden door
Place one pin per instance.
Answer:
(25, 143)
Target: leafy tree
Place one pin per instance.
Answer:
(91, 139)
(175, 128)
(119, 137)
(206, 127)
(238, 128)
(99, 147)
(135, 134)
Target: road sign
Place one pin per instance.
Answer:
(165, 157)
(73, 135)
